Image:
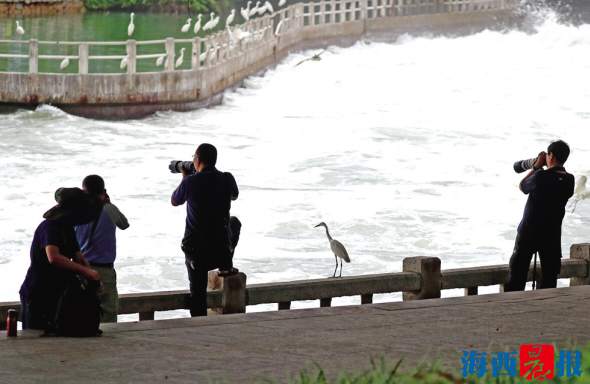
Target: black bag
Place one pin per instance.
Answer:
(78, 309)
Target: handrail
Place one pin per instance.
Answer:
(325, 289)
(305, 15)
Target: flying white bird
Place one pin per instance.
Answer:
(198, 24)
(180, 58)
(337, 248)
(160, 60)
(19, 30)
(211, 23)
(230, 18)
(186, 25)
(64, 63)
(580, 193)
(254, 10)
(316, 57)
(282, 3)
(123, 64)
(131, 26)
(246, 11)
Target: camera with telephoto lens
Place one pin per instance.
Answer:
(177, 166)
(523, 165)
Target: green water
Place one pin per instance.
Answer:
(95, 26)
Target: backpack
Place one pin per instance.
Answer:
(78, 309)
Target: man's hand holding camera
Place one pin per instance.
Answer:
(541, 161)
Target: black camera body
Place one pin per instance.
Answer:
(524, 165)
(177, 166)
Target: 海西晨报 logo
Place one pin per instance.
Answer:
(533, 362)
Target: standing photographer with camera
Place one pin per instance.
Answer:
(210, 236)
(540, 228)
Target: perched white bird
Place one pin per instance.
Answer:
(160, 60)
(198, 24)
(211, 23)
(246, 11)
(254, 10)
(337, 248)
(262, 9)
(580, 193)
(203, 56)
(186, 25)
(230, 18)
(19, 30)
(268, 7)
(64, 63)
(282, 3)
(123, 64)
(278, 28)
(180, 58)
(131, 26)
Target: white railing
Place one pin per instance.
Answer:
(200, 52)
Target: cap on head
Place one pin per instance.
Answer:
(207, 154)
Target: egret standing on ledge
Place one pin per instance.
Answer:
(337, 248)
(19, 30)
(131, 26)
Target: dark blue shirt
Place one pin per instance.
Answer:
(208, 195)
(44, 279)
(549, 191)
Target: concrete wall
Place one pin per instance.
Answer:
(119, 96)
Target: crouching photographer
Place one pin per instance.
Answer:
(539, 231)
(210, 234)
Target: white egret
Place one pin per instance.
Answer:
(64, 63)
(316, 57)
(160, 60)
(123, 64)
(246, 11)
(278, 28)
(268, 7)
(262, 9)
(186, 25)
(282, 3)
(131, 26)
(254, 10)
(198, 24)
(19, 30)
(230, 18)
(203, 56)
(215, 22)
(580, 193)
(211, 23)
(337, 248)
(180, 58)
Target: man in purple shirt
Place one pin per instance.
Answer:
(99, 245)
(206, 243)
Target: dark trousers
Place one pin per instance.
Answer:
(549, 249)
(198, 267)
(38, 313)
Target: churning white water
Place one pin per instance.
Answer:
(403, 149)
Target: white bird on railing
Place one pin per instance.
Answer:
(254, 10)
(198, 24)
(64, 63)
(180, 58)
(19, 30)
(246, 11)
(268, 7)
(131, 26)
(230, 18)
(580, 193)
(160, 60)
(278, 28)
(337, 248)
(124, 61)
(186, 25)
(282, 3)
(211, 23)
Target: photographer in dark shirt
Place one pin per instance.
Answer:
(540, 228)
(206, 243)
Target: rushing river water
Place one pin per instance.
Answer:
(403, 149)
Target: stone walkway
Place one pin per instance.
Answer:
(246, 348)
